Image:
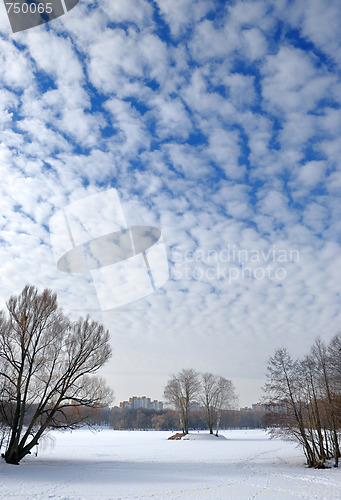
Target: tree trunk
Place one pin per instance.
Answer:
(218, 423)
(210, 420)
(12, 456)
(12, 452)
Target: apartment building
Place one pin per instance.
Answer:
(142, 402)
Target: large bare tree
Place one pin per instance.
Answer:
(309, 389)
(181, 391)
(47, 366)
(285, 386)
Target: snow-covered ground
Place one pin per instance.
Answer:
(108, 465)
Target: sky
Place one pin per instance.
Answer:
(217, 122)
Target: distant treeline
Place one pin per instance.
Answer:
(164, 420)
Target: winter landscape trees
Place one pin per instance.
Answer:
(47, 364)
(47, 380)
(214, 393)
(181, 391)
(217, 394)
(309, 391)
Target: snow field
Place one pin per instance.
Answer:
(120, 465)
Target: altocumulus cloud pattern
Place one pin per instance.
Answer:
(126, 263)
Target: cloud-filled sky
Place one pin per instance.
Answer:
(217, 122)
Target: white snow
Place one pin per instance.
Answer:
(203, 436)
(112, 465)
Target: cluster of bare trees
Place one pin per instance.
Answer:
(309, 392)
(47, 364)
(212, 392)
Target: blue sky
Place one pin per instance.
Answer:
(219, 123)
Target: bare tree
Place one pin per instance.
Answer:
(226, 399)
(313, 396)
(328, 360)
(47, 364)
(218, 394)
(209, 397)
(181, 391)
(310, 389)
(285, 386)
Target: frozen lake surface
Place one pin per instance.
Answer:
(112, 465)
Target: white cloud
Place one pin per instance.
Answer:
(209, 106)
(132, 11)
(291, 81)
(181, 14)
(255, 44)
(172, 119)
(241, 91)
(317, 21)
(119, 59)
(310, 175)
(238, 210)
(315, 216)
(128, 121)
(42, 141)
(225, 150)
(8, 102)
(276, 205)
(211, 43)
(15, 70)
(249, 13)
(43, 45)
(189, 161)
